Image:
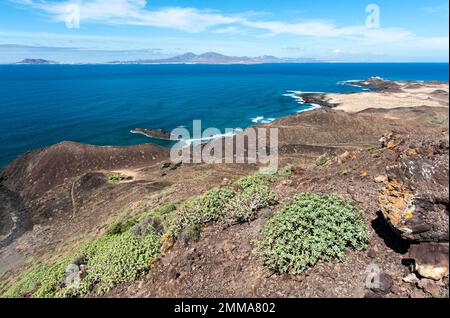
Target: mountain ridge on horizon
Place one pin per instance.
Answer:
(215, 58)
(189, 58)
(211, 58)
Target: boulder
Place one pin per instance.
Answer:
(411, 278)
(383, 285)
(430, 259)
(429, 286)
(416, 199)
(72, 277)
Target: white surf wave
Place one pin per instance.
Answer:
(262, 120)
(257, 119)
(352, 82)
(313, 106)
(295, 95)
(301, 101)
(189, 142)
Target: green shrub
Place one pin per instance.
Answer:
(439, 120)
(254, 180)
(165, 209)
(238, 210)
(206, 208)
(308, 229)
(259, 197)
(255, 195)
(190, 234)
(40, 281)
(117, 259)
(286, 171)
(321, 160)
(147, 225)
(121, 227)
(371, 147)
(115, 177)
(256, 190)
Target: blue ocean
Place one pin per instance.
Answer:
(99, 104)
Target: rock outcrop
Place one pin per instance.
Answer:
(415, 201)
(431, 259)
(153, 133)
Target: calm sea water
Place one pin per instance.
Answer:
(98, 104)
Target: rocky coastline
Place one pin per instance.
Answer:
(152, 133)
(380, 93)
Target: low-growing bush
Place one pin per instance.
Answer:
(286, 171)
(439, 120)
(206, 208)
(238, 210)
(190, 234)
(116, 177)
(322, 160)
(40, 281)
(310, 228)
(254, 196)
(121, 227)
(164, 209)
(254, 181)
(372, 147)
(256, 190)
(147, 225)
(117, 256)
(117, 259)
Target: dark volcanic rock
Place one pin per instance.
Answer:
(416, 200)
(383, 285)
(153, 133)
(379, 84)
(318, 99)
(431, 259)
(168, 166)
(429, 286)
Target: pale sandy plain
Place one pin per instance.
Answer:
(410, 95)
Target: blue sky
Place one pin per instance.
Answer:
(408, 30)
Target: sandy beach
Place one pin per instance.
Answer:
(393, 94)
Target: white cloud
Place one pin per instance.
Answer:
(134, 12)
(228, 30)
(137, 12)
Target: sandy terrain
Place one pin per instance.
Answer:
(408, 95)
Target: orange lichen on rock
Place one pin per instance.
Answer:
(397, 205)
(391, 144)
(411, 152)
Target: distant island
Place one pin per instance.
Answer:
(36, 61)
(191, 58)
(216, 58)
